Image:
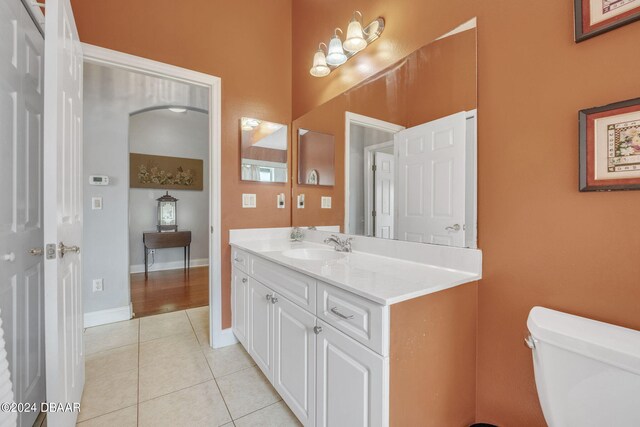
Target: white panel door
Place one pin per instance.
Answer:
(351, 382)
(294, 375)
(21, 229)
(261, 326)
(239, 302)
(384, 178)
(431, 181)
(63, 209)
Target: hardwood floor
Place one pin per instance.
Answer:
(169, 290)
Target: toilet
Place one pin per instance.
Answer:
(587, 372)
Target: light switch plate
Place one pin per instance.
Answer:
(249, 200)
(96, 203)
(280, 201)
(300, 203)
(325, 202)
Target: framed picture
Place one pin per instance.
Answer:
(610, 147)
(163, 172)
(594, 17)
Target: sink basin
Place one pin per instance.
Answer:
(313, 254)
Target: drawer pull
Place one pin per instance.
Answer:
(335, 311)
(236, 259)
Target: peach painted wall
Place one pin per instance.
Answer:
(543, 242)
(229, 39)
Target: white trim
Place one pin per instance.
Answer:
(112, 58)
(469, 25)
(370, 122)
(102, 317)
(171, 265)
(225, 338)
(368, 185)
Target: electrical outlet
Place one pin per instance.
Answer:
(280, 201)
(325, 202)
(98, 285)
(300, 203)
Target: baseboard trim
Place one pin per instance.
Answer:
(224, 338)
(173, 265)
(103, 317)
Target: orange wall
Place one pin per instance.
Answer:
(247, 44)
(543, 242)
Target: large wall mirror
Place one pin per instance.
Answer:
(264, 150)
(406, 141)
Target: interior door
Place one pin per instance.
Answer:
(261, 326)
(294, 374)
(63, 210)
(21, 231)
(384, 178)
(431, 181)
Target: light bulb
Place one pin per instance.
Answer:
(336, 54)
(355, 41)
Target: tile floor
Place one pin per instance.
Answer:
(160, 371)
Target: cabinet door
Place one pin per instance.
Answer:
(295, 358)
(261, 326)
(352, 382)
(239, 303)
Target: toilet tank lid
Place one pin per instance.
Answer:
(607, 343)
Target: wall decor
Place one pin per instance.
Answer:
(610, 147)
(594, 17)
(171, 173)
(316, 158)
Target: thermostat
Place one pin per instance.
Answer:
(99, 180)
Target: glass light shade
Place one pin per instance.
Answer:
(319, 68)
(336, 55)
(355, 41)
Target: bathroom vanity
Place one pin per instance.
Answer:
(359, 339)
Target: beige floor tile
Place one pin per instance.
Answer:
(200, 405)
(106, 337)
(109, 393)
(172, 374)
(127, 417)
(199, 317)
(112, 361)
(227, 360)
(203, 337)
(164, 325)
(246, 391)
(276, 415)
(165, 349)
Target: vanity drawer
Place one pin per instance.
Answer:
(361, 319)
(240, 259)
(295, 286)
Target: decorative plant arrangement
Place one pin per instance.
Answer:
(150, 174)
(166, 173)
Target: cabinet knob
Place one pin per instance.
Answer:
(244, 280)
(274, 299)
(317, 329)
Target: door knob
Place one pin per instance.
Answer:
(64, 249)
(35, 251)
(454, 227)
(10, 257)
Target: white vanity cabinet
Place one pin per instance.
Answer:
(325, 375)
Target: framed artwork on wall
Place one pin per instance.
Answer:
(163, 172)
(594, 17)
(610, 147)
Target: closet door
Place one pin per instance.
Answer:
(261, 326)
(295, 358)
(21, 232)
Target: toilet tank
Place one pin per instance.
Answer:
(587, 372)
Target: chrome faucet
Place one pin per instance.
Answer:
(340, 245)
(296, 234)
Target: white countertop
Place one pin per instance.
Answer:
(381, 279)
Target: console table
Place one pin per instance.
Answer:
(169, 239)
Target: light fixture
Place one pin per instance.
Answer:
(248, 124)
(178, 109)
(355, 41)
(319, 68)
(335, 54)
(338, 52)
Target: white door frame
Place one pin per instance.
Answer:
(370, 122)
(368, 184)
(112, 58)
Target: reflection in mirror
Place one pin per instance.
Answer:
(263, 150)
(409, 146)
(316, 158)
